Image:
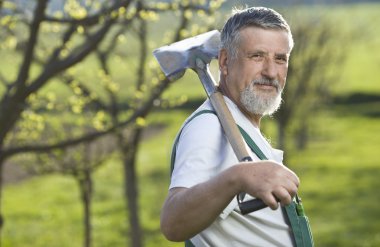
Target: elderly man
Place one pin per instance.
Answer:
(200, 206)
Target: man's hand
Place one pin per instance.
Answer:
(269, 181)
(188, 211)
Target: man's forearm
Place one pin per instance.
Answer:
(188, 211)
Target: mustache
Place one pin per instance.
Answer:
(268, 82)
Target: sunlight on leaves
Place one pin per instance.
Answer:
(9, 5)
(99, 121)
(6, 20)
(77, 104)
(188, 14)
(122, 11)
(75, 9)
(80, 29)
(10, 42)
(148, 15)
(30, 126)
(141, 122)
(131, 13)
(107, 82)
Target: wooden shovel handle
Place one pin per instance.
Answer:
(229, 126)
(238, 145)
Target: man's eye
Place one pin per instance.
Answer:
(282, 59)
(256, 56)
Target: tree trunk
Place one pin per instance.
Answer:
(85, 184)
(131, 185)
(2, 162)
(281, 135)
(302, 136)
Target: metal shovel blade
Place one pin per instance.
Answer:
(175, 58)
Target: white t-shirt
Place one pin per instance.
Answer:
(201, 153)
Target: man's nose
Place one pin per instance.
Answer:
(269, 69)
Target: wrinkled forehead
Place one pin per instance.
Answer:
(272, 38)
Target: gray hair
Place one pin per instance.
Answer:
(260, 17)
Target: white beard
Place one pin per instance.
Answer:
(259, 104)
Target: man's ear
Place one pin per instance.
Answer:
(222, 59)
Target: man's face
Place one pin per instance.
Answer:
(256, 77)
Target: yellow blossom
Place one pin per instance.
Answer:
(141, 122)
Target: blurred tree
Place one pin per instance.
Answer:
(79, 162)
(315, 62)
(54, 43)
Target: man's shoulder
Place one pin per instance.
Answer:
(205, 110)
(203, 123)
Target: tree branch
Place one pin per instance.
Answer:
(140, 112)
(13, 101)
(90, 20)
(4, 81)
(34, 30)
(142, 34)
(57, 66)
(98, 104)
(172, 6)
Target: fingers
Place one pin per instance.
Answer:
(271, 182)
(283, 196)
(292, 176)
(280, 195)
(270, 201)
(290, 186)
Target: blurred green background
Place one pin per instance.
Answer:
(339, 168)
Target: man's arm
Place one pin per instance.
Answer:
(188, 211)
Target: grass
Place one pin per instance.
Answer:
(339, 174)
(339, 170)
(30, 209)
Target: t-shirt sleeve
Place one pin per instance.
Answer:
(199, 151)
